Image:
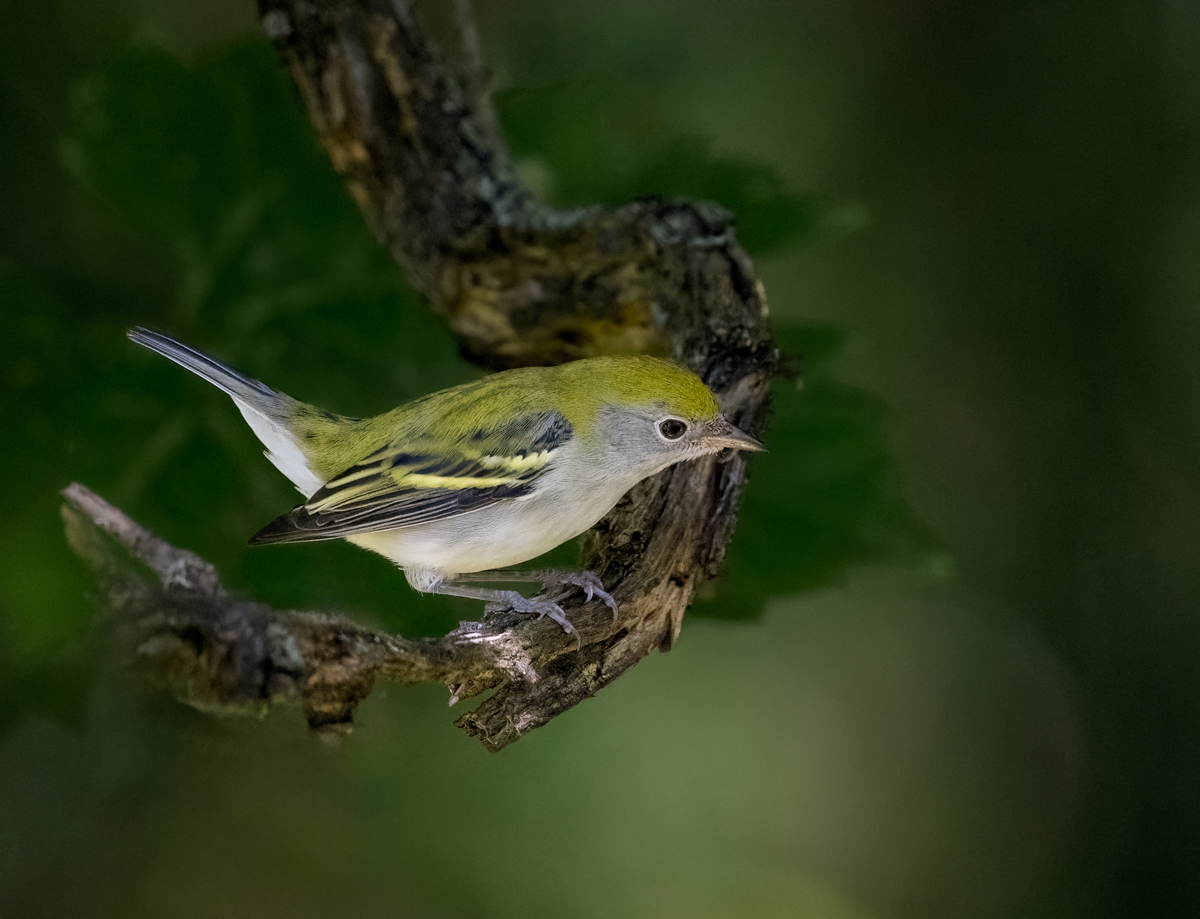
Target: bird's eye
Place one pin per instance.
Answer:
(672, 428)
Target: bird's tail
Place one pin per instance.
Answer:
(270, 414)
(257, 395)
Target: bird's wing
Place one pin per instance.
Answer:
(402, 485)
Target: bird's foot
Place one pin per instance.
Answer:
(542, 606)
(587, 581)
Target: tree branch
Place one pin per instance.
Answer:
(520, 284)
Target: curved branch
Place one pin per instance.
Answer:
(520, 284)
(226, 654)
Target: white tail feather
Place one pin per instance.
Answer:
(282, 449)
(264, 409)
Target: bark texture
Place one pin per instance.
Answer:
(520, 284)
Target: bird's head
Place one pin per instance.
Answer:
(649, 413)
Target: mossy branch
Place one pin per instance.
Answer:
(520, 284)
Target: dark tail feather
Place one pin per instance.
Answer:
(257, 395)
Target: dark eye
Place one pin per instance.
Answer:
(672, 428)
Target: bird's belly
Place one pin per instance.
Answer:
(492, 537)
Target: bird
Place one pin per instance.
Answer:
(460, 483)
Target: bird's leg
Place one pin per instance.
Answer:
(587, 581)
(506, 599)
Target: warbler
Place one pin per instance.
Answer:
(480, 476)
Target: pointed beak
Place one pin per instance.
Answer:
(726, 435)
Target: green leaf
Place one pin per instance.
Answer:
(38, 593)
(278, 274)
(587, 143)
(826, 497)
(218, 164)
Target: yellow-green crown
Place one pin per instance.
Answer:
(636, 379)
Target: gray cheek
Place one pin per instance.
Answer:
(633, 447)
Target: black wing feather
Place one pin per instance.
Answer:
(301, 526)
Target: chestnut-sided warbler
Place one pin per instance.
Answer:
(479, 476)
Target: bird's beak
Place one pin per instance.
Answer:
(726, 435)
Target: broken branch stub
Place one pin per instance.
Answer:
(520, 284)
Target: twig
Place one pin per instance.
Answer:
(223, 653)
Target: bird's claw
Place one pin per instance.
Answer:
(543, 607)
(545, 604)
(587, 581)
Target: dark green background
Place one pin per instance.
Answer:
(955, 667)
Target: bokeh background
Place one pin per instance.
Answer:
(954, 669)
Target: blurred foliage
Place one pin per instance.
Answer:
(604, 143)
(218, 164)
(215, 166)
(825, 497)
(276, 272)
(40, 582)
